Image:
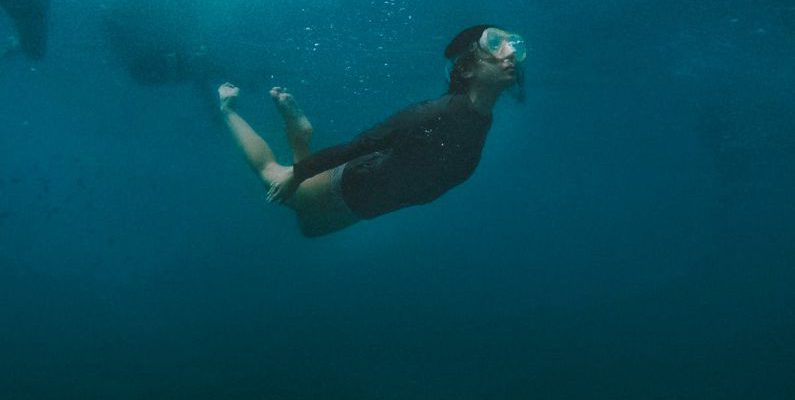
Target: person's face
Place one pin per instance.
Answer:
(494, 71)
(497, 58)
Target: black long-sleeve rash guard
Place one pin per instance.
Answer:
(412, 158)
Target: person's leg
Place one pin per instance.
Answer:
(297, 125)
(321, 209)
(318, 213)
(258, 154)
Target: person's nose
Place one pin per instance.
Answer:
(510, 52)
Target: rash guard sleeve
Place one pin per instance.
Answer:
(380, 137)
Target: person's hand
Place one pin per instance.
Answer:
(283, 184)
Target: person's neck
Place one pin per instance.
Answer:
(483, 98)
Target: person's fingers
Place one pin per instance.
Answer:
(279, 193)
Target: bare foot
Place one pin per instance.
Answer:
(228, 93)
(298, 127)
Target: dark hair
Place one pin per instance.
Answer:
(459, 84)
(461, 52)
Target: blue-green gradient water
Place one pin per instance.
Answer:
(629, 233)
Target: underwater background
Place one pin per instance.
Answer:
(629, 233)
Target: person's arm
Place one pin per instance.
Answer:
(380, 137)
(334, 156)
(282, 187)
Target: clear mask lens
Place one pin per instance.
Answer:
(498, 43)
(519, 47)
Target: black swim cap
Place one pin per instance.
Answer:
(464, 40)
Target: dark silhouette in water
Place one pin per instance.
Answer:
(157, 57)
(30, 19)
(159, 43)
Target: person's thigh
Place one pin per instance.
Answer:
(320, 208)
(313, 192)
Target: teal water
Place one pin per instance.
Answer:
(628, 234)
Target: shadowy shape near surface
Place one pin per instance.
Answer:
(30, 19)
(154, 51)
(160, 43)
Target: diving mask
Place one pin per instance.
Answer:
(499, 43)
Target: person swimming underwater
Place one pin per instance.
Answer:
(412, 158)
(30, 19)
